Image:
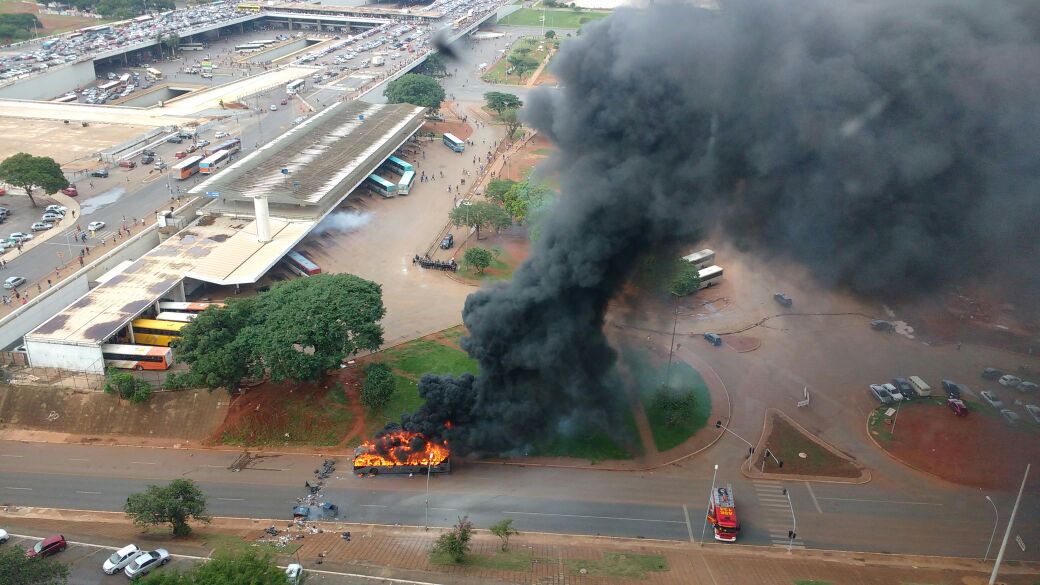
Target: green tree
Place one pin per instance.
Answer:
(522, 63)
(434, 65)
(479, 258)
(245, 567)
(549, 34)
(378, 387)
(419, 90)
(685, 279)
(172, 42)
(523, 198)
(32, 172)
(455, 543)
(480, 215)
(128, 387)
(174, 504)
(504, 529)
(497, 189)
(213, 346)
(17, 569)
(511, 118)
(498, 101)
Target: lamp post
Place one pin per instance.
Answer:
(794, 522)
(429, 465)
(1007, 533)
(996, 521)
(751, 448)
(710, 495)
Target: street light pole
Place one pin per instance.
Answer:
(794, 521)
(1011, 522)
(996, 521)
(671, 348)
(429, 465)
(710, 495)
(751, 448)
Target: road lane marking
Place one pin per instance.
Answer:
(883, 501)
(231, 499)
(79, 492)
(689, 529)
(449, 509)
(814, 500)
(372, 506)
(596, 517)
(16, 456)
(215, 466)
(143, 463)
(71, 459)
(19, 488)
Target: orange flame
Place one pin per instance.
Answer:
(399, 446)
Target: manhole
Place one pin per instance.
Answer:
(803, 455)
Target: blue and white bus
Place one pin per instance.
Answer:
(381, 186)
(397, 165)
(454, 143)
(294, 87)
(211, 163)
(405, 184)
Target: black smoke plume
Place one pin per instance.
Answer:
(890, 146)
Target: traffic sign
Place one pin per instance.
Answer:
(212, 193)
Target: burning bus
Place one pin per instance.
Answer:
(401, 452)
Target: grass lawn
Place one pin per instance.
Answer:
(593, 445)
(232, 544)
(502, 267)
(499, 72)
(631, 566)
(304, 419)
(649, 375)
(786, 442)
(554, 19)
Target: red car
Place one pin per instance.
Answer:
(70, 191)
(47, 547)
(285, 101)
(3, 192)
(957, 406)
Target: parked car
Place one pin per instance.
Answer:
(992, 373)
(147, 153)
(881, 325)
(175, 140)
(1010, 417)
(100, 173)
(4, 536)
(713, 339)
(59, 209)
(120, 559)
(896, 394)
(147, 159)
(881, 393)
(1009, 380)
(274, 107)
(957, 406)
(14, 282)
(21, 236)
(284, 102)
(180, 154)
(992, 399)
(144, 562)
(783, 299)
(47, 547)
(953, 390)
(95, 225)
(1034, 411)
(221, 134)
(447, 242)
(1027, 386)
(161, 165)
(70, 191)
(127, 164)
(905, 388)
(41, 226)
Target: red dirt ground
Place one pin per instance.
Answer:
(457, 127)
(515, 245)
(50, 22)
(977, 450)
(517, 166)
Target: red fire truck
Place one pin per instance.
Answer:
(722, 513)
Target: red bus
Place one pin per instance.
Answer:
(722, 514)
(301, 265)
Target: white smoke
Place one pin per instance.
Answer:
(343, 221)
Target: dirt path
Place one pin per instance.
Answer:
(646, 435)
(353, 392)
(538, 72)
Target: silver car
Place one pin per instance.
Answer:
(991, 399)
(144, 562)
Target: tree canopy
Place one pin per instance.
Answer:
(522, 63)
(18, 26)
(499, 101)
(17, 569)
(296, 331)
(32, 172)
(412, 88)
(479, 258)
(497, 189)
(246, 567)
(685, 280)
(378, 387)
(480, 215)
(434, 65)
(511, 118)
(519, 199)
(121, 8)
(174, 504)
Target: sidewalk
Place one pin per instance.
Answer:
(402, 552)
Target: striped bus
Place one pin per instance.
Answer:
(184, 307)
(136, 357)
(211, 163)
(247, 7)
(294, 87)
(397, 165)
(66, 99)
(231, 146)
(380, 186)
(155, 332)
(248, 48)
(111, 85)
(301, 264)
(177, 317)
(453, 143)
(186, 168)
(710, 276)
(153, 73)
(405, 184)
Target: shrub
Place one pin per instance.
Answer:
(455, 543)
(678, 405)
(128, 387)
(378, 387)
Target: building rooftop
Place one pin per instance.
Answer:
(354, 10)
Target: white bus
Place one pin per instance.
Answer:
(710, 276)
(66, 99)
(295, 87)
(701, 259)
(248, 48)
(181, 307)
(153, 73)
(177, 317)
(191, 47)
(109, 86)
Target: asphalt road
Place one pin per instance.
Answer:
(872, 517)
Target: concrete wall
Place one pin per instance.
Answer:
(53, 83)
(67, 357)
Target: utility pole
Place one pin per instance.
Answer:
(671, 348)
(751, 448)
(429, 465)
(1011, 522)
(996, 522)
(794, 522)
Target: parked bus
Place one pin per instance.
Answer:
(701, 259)
(247, 48)
(301, 265)
(246, 7)
(186, 168)
(722, 514)
(211, 163)
(154, 332)
(183, 307)
(294, 87)
(191, 47)
(124, 78)
(397, 165)
(136, 357)
(177, 317)
(66, 99)
(405, 184)
(143, 18)
(231, 146)
(710, 276)
(381, 186)
(264, 42)
(454, 143)
(111, 85)
(153, 73)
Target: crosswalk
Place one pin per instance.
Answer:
(777, 512)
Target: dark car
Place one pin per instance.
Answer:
(102, 173)
(953, 390)
(905, 388)
(783, 299)
(47, 547)
(447, 242)
(175, 140)
(148, 153)
(992, 374)
(881, 325)
(713, 339)
(147, 159)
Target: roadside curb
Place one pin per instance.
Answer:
(892, 456)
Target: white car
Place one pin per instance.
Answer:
(144, 562)
(120, 559)
(274, 107)
(221, 134)
(14, 282)
(893, 391)
(58, 209)
(95, 225)
(4, 536)
(1032, 409)
(21, 236)
(41, 226)
(1009, 380)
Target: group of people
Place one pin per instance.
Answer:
(427, 262)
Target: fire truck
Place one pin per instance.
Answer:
(722, 513)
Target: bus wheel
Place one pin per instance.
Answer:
(373, 471)
(138, 367)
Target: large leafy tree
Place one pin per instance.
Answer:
(499, 101)
(434, 65)
(479, 258)
(497, 189)
(412, 88)
(296, 331)
(247, 567)
(523, 198)
(174, 504)
(511, 118)
(17, 569)
(522, 64)
(480, 215)
(32, 172)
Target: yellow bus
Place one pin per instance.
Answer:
(153, 73)
(155, 332)
(247, 7)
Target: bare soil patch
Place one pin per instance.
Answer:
(52, 23)
(518, 165)
(978, 450)
(457, 127)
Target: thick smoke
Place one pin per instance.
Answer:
(343, 221)
(890, 146)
